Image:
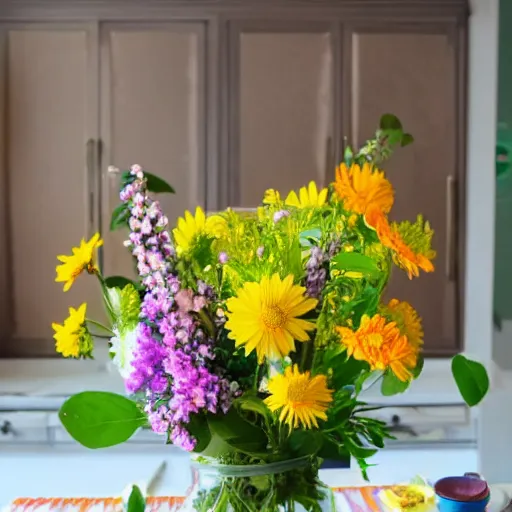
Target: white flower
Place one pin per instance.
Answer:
(123, 348)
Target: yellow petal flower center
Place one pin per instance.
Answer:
(273, 317)
(375, 340)
(297, 391)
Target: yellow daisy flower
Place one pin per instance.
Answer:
(360, 188)
(308, 197)
(406, 319)
(190, 226)
(264, 317)
(381, 345)
(81, 259)
(301, 398)
(72, 339)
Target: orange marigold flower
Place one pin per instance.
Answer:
(410, 257)
(362, 188)
(381, 345)
(406, 319)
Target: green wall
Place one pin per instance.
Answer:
(503, 257)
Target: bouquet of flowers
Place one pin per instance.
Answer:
(249, 335)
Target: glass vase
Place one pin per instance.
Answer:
(285, 486)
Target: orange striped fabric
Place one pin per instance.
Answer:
(355, 499)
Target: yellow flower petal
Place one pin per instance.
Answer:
(302, 399)
(265, 306)
(82, 258)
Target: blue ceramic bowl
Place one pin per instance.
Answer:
(447, 505)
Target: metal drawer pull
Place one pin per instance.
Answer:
(397, 427)
(6, 428)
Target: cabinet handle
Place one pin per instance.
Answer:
(98, 156)
(329, 157)
(451, 227)
(91, 165)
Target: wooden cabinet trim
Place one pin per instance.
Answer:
(199, 9)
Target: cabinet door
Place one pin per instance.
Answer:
(414, 75)
(44, 208)
(153, 105)
(281, 109)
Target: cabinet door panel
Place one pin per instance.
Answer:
(155, 109)
(47, 211)
(413, 75)
(284, 112)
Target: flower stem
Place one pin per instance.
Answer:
(100, 325)
(305, 359)
(101, 336)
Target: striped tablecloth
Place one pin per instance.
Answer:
(348, 499)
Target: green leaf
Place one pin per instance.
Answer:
(416, 372)
(393, 136)
(98, 419)
(136, 501)
(346, 370)
(407, 139)
(238, 433)
(250, 402)
(157, 185)
(306, 237)
(356, 262)
(198, 427)
(471, 379)
(120, 216)
(390, 122)
(392, 385)
(118, 282)
(357, 451)
(333, 450)
(305, 442)
(348, 155)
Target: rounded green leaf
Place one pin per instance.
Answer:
(407, 139)
(392, 385)
(356, 262)
(471, 379)
(98, 419)
(390, 122)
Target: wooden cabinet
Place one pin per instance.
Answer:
(223, 99)
(282, 99)
(152, 114)
(414, 72)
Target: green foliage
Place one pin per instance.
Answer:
(118, 282)
(355, 262)
(125, 304)
(136, 501)
(239, 434)
(392, 385)
(154, 183)
(305, 442)
(198, 428)
(119, 217)
(97, 419)
(471, 379)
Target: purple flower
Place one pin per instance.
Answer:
(174, 363)
(223, 258)
(259, 251)
(316, 274)
(280, 215)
